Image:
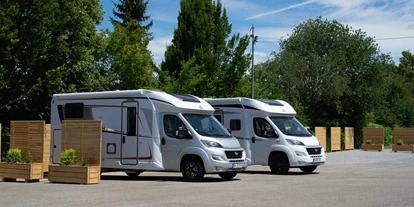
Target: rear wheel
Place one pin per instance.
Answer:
(308, 169)
(133, 174)
(279, 164)
(228, 175)
(192, 169)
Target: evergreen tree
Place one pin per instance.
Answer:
(202, 59)
(132, 11)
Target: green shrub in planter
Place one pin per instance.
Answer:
(369, 141)
(28, 158)
(400, 142)
(85, 161)
(67, 157)
(14, 156)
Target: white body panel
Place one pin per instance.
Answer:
(259, 148)
(145, 147)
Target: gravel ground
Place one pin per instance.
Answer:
(385, 157)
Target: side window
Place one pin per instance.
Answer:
(260, 125)
(235, 124)
(132, 121)
(74, 110)
(218, 117)
(171, 125)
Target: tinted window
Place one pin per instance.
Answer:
(171, 125)
(132, 121)
(74, 110)
(260, 125)
(206, 125)
(290, 126)
(235, 124)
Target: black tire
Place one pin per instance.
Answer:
(228, 175)
(133, 174)
(308, 169)
(192, 169)
(279, 164)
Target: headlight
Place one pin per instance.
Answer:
(211, 144)
(302, 154)
(217, 157)
(294, 142)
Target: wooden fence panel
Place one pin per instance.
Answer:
(349, 138)
(406, 135)
(85, 136)
(46, 149)
(335, 138)
(376, 135)
(320, 134)
(28, 136)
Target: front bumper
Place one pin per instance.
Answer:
(226, 164)
(306, 159)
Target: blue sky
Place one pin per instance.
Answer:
(274, 19)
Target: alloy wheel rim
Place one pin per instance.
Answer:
(191, 170)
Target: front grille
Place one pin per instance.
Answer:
(314, 151)
(234, 154)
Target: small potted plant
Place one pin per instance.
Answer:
(369, 141)
(400, 142)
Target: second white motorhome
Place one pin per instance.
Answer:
(270, 133)
(149, 130)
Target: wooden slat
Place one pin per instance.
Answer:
(374, 134)
(349, 138)
(335, 138)
(28, 136)
(85, 136)
(320, 134)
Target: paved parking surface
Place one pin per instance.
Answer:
(341, 182)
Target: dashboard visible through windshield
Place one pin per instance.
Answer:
(290, 126)
(207, 125)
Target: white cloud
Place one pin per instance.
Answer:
(281, 10)
(158, 47)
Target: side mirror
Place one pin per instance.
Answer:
(308, 130)
(229, 131)
(182, 133)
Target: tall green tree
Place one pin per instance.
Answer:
(50, 47)
(130, 61)
(132, 12)
(203, 58)
(334, 73)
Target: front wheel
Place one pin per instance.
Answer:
(192, 169)
(279, 164)
(228, 175)
(308, 169)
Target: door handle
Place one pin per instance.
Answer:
(253, 139)
(163, 141)
(123, 139)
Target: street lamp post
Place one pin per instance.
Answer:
(254, 40)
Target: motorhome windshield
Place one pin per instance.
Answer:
(206, 125)
(290, 126)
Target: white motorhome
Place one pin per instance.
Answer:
(270, 133)
(151, 130)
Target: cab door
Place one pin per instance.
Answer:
(264, 137)
(129, 132)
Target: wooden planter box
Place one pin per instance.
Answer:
(378, 147)
(74, 174)
(396, 147)
(29, 172)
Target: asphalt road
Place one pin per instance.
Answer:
(351, 178)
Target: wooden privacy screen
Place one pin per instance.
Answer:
(85, 136)
(335, 138)
(407, 136)
(46, 149)
(320, 134)
(349, 138)
(376, 135)
(29, 137)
